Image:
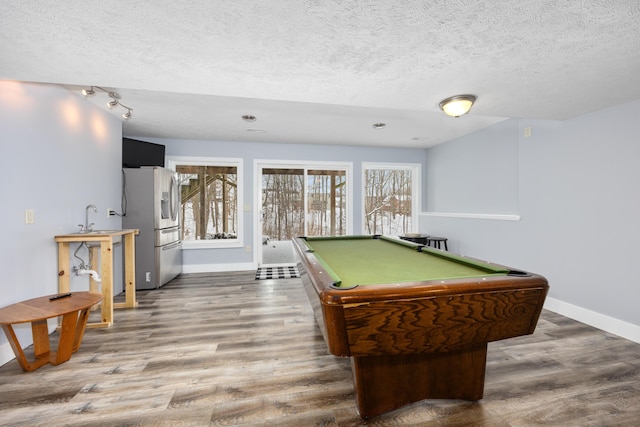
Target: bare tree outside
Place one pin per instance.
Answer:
(208, 201)
(282, 203)
(388, 201)
(326, 209)
(286, 207)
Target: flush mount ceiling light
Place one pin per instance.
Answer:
(249, 118)
(379, 126)
(456, 106)
(114, 102)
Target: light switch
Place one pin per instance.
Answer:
(29, 216)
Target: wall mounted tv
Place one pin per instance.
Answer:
(140, 153)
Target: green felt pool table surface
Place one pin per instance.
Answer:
(364, 260)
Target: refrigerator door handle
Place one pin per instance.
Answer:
(172, 245)
(174, 197)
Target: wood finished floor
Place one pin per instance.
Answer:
(226, 350)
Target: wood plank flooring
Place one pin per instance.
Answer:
(226, 350)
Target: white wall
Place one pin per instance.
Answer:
(59, 154)
(577, 201)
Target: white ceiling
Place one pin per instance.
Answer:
(324, 71)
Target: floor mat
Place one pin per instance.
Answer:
(279, 272)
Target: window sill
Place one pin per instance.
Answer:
(211, 244)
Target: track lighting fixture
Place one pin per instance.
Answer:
(114, 102)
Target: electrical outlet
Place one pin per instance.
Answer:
(147, 276)
(110, 213)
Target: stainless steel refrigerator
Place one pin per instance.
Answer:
(152, 204)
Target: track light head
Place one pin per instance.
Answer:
(114, 102)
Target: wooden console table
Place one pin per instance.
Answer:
(74, 309)
(105, 250)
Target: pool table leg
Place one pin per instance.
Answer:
(384, 383)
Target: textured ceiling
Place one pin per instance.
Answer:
(325, 71)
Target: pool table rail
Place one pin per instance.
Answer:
(440, 323)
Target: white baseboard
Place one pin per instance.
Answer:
(606, 323)
(217, 268)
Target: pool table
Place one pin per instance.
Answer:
(414, 320)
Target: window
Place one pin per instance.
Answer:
(391, 198)
(210, 201)
(282, 203)
(326, 202)
(310, 200)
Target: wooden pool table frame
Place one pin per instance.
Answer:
(419, 340)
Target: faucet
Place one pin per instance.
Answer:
(88, 227)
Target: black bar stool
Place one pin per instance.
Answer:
(437, 242)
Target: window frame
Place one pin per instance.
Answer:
(174, 161)
(416, 181)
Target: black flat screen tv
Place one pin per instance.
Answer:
(140, 153)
